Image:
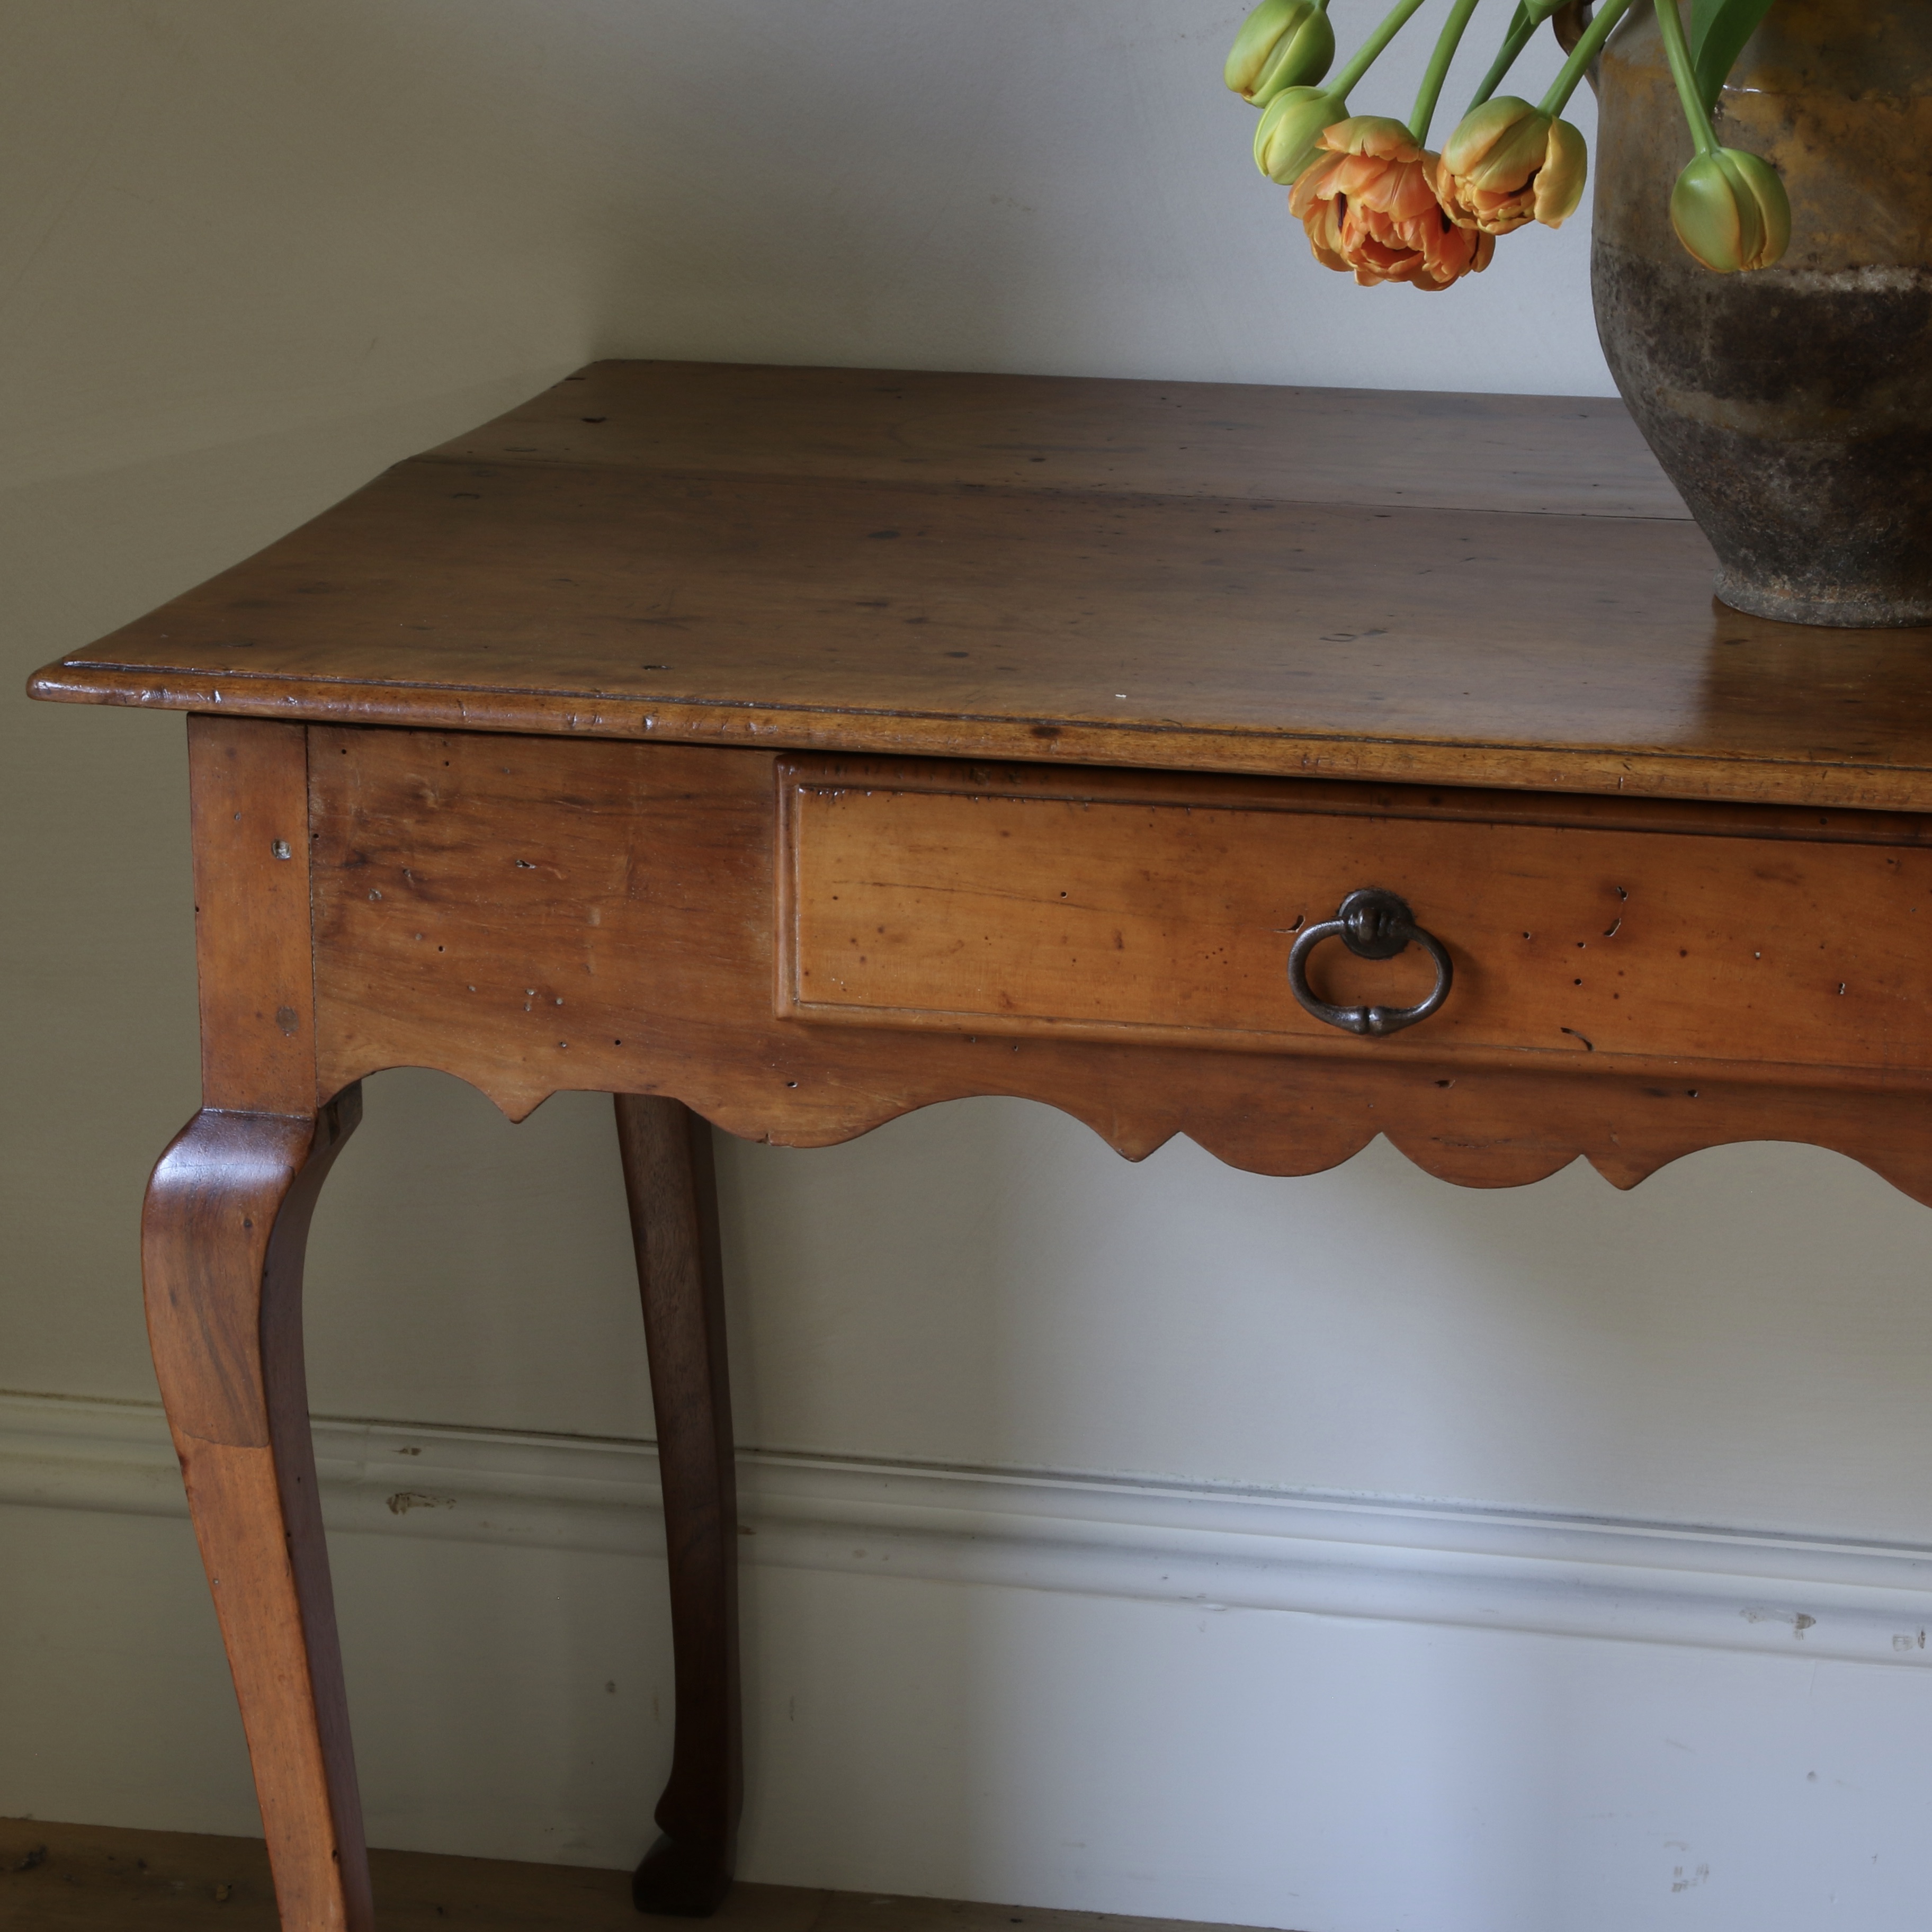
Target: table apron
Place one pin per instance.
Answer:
(802, 947)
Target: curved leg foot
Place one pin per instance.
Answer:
(222, 1236)
(669, 1177)
(681, 1878)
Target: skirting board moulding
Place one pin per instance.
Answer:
(1203, 1545)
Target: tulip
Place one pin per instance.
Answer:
(1559, 181)
(1282, 44)
(1730, 210)
(1370, 207)
(1290, 127)
(1509, 163)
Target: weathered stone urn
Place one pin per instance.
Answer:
(1791, 406)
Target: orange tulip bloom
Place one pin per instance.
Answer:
(1371, 209)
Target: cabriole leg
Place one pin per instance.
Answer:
(669, 1177)
(222, 1237)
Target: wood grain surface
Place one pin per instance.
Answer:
(670, 1184)
(1567, 455)
(1125, 906)
(248, 807)
(94, 1878)
(222, 1236)
(223, 1233)
(1219, 579)
(532, 915)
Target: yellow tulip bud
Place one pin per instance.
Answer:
(1509, 163)
(1730, 210)
(1560, 181)
(1499, 144)
(1282, 44)
(1290, 126)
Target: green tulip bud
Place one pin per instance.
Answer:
(1290, 125)
(1282, 44)
(1730, 210)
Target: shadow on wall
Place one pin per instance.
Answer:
(1737, 1341)
(390, 192)
(1741, 1341)
(1064, 188)
(256, 215)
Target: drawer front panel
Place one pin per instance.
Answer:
(1102, 910)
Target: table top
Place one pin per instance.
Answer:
(1487, 590)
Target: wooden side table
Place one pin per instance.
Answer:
(797, 748)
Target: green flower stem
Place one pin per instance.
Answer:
(1570, 75)
(1366, 55)
(1437, 71)
(1521, 29)
(1670, 24)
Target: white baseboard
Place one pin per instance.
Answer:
(1324, 1555)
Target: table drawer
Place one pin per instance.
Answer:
(1106, 905)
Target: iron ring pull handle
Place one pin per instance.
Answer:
(1372, 924)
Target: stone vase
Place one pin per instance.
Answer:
(1791, 406)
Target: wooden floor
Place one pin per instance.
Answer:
(90, 1878)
